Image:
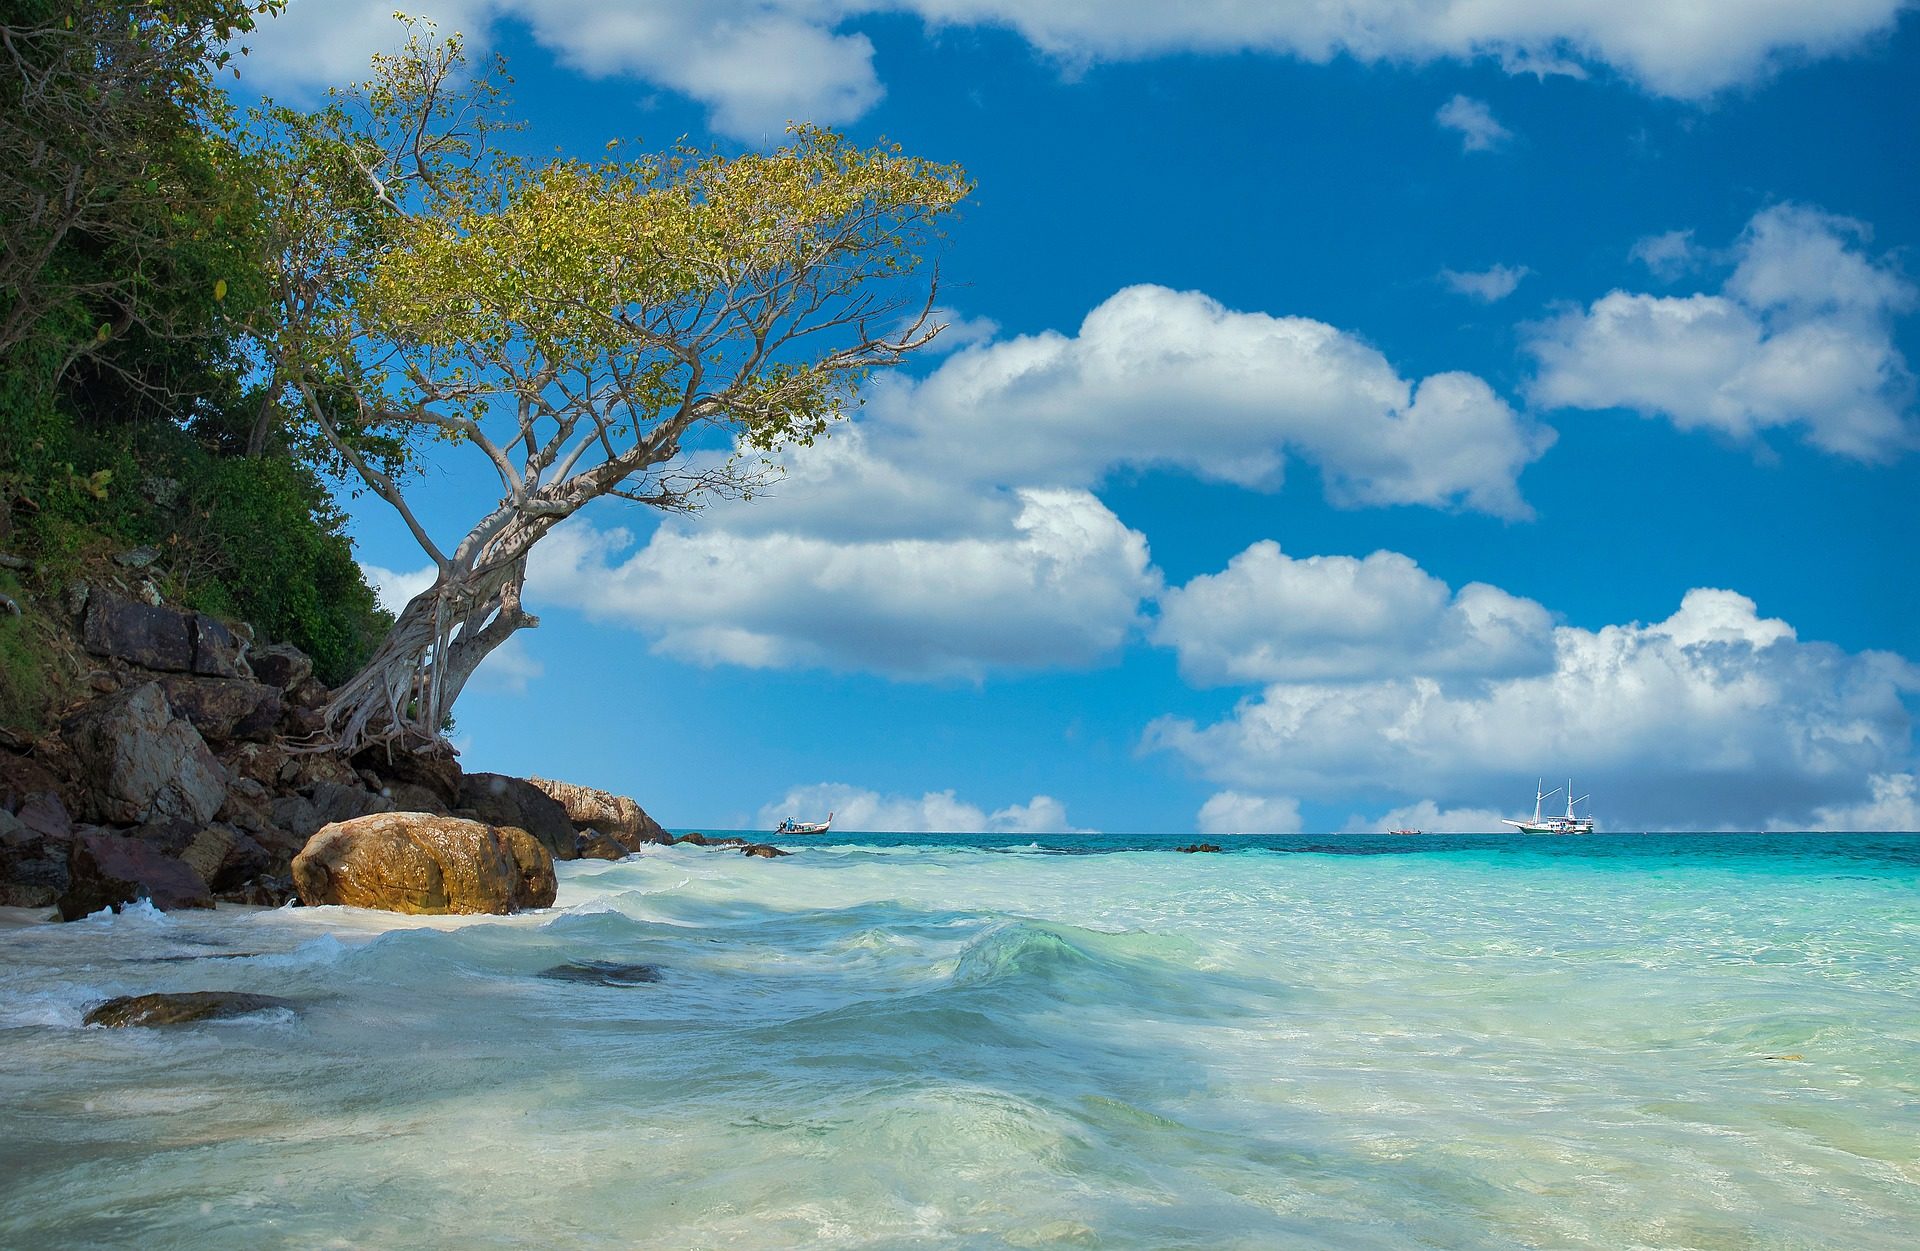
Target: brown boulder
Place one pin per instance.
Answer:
(181, 1009)
(501, 800)
(604, 811)
(281, 666)
(417, 862)
(140, 634)
(595, 845)
(106, 871)
(224, 708)
(144, 763)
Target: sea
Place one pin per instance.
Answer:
(1623, 1041)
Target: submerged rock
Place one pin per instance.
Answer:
(602, 973)
(766, 851)
(1193, 847)
(420, 863)
(182, 1008)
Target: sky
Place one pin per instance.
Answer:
(1350, 414)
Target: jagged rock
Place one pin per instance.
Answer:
(33, 868)
(305, 770)
(218, 652)
(224, 708)
(604, 811)
(309, 693)
(142, 762)
(414, 862)
(207, 851)
(140, 634)
(248, 805)
(598, 845)
(258, 762)
(281, 666)
(182, 1008)
(501, 800)
(766, 851)
(107, 870)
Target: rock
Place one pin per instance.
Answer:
(33, 867)
(501, 800)
(248, 805)
(269, 890)
(182, 1008)
(106, 870)
(21, 778)
(137, 558)
(435, 768)
(309, 693)
(602, 973)
(258, 762)
(140, 634)
(416, 862)
(281, 666)
(1193, 847)
(609, 813)
(144, 763)
(765, 851)
(217, 651)
(696, 838)
(729, 841)
(413, 797)
(335, 801)
(224, 708)
(305, 770)
(75, 597)
(597, 845)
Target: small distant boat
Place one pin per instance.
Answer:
(1568, 824)
(790, 826)
(1403, 831)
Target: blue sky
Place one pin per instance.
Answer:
(1352, 413)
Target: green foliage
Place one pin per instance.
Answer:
(25, 668)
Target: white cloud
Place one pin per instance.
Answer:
(1157, 377)
(395, 588)
(936, 812)
(756, 64)
(1799, 337)
(1487, 285)
(509, 669)
(1667, 255)
(1232, 812)
(1057, 583)
(1894, 805)
(1714, 718)
(1429, 818)
(1268, 617)
(1474, 122)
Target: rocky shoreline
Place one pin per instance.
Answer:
(183, 779)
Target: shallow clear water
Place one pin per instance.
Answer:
(1625, 1042)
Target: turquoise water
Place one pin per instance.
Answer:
(942, 1041)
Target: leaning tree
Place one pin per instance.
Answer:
(646, 328)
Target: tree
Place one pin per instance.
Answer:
(585, 326)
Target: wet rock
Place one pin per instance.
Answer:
(107, 871)
(597, 845)
(696, 838)
(224, 708)
(143, 762)
(33, 868)
(766, 851)
(419, 863)
(269, 890)
(280, 666)
(601, 810)
(1193, 847)
(500, 800)
(603, 973)
(183, 1008)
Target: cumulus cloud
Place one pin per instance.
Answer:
(1714, 718)
(1429, 818)
(1799, 337)
(936, 812)
(1667, 255)
(756, 64)
(1058, 582)
(1893, 804)
(395, 588)
(1233, 812)
(1269, 617)
(1487, 285)
(1474, 122)
(1175, 379)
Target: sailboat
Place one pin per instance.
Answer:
(1569, 824)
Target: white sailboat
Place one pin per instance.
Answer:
(1568, 824)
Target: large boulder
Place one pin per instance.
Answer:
(167, 640)
(107, 870)
(417, 862)
(501, 800)
(281, 666)
(602, 810)
(142, 762)
(224, 708)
